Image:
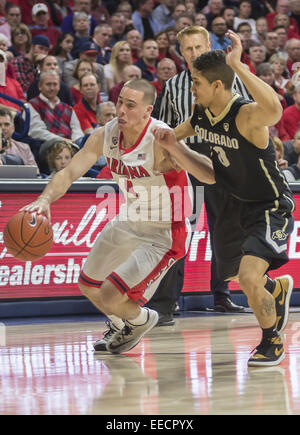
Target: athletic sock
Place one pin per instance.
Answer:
(270, 285)
(268, 333)
(140, 319)
(117, 321)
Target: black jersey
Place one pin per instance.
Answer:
(247, 172)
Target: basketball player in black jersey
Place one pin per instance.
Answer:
(255, 221)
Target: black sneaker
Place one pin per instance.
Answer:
(130, 335)
(100, 345)
(268, 353)
(225, 305)
(165, 320)
(282, 295)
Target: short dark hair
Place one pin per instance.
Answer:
(213, 66)
(7, 112)
(145, 86)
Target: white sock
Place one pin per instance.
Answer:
(117, 321)
(141, 318)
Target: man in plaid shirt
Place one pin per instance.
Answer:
(25, 65)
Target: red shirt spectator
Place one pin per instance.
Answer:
(26, 8)
(86, 115)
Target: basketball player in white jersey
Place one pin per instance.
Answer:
(131, 256)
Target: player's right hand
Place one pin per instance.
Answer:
(40, 206)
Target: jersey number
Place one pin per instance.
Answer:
(222, 156)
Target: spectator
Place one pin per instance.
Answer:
(166, 68)
(63, 48)
(79, 6)
(217, 34)
(82, 67)
(228, 13)
(21, 40)
(25, 65)
(50, 117)
(14, 147)
(163, 44)
(179, 9)
(40, 17)
(4, 47)
(9, 86)
(26, 6)
(293, 51)
(245, 30)
(284, 20)
(106, 111)
(129, 72)
(163, 14)
(261, 28)
(213, 9)
(292, 172)
(265, 71)
(282, 7)
(125, 9)
(143, 21)
(59, 9)
(46, 64)
(290, 120)
(292, 149)
(118, 25)
(282, 40)
(87, 107)
(148, 61)
(244, 15)
(101, 37)
(200, 20)
(99, 12)
(134, 39)
(271, 44)
(120, 57)
(279, 152)
(81, 32)
(59, 154)
(87, 51)
(294, 7)
(182, 22)
(279, 64)
(290, 88)
(13, 15)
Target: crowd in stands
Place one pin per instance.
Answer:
(69, 60)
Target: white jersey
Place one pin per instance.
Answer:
(150, 196)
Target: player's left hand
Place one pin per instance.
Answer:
(164, 137)
(234, 51)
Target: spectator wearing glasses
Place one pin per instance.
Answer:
(217, 34)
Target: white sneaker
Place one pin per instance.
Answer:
(100, 345)
(130, 335)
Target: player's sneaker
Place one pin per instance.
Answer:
(282, 295)
(268, 353)
(130, 335)
(100, 345)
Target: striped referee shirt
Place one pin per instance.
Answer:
(175, 104)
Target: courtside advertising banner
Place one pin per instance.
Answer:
(77, 219)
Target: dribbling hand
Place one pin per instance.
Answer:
(40, 206)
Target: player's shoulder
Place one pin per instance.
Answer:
(158, 123)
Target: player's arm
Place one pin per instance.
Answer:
(184, 130)
(196, 164)
(266, 110)
(62, 180)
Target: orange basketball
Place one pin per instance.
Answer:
(28, 236)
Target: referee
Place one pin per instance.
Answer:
(173, 106)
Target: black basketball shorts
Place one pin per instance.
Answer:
(260, 229)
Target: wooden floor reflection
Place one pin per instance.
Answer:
(199, 366)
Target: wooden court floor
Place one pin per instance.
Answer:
(197, 367)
